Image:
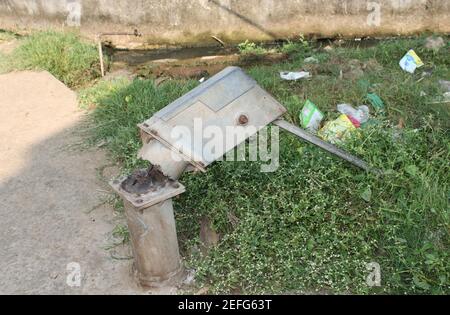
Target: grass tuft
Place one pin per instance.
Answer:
(64, 55)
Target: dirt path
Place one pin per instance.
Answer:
(48, 187)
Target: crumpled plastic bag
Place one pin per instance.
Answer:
(358, 115)
(294, 76)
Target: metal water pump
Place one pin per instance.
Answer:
(230, 98)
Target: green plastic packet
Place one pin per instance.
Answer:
(376, 102)
(311, 117)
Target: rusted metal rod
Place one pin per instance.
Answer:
(304, 135)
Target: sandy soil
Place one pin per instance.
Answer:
(52, 209)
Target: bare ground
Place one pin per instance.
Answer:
(52, 209)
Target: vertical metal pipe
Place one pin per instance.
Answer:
(155, 244)
(100, 54)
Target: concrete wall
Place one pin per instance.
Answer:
(194, 21)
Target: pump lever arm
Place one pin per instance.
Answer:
(304, 135)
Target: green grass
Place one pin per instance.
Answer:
(65, 55)
(316, 222)
(250, 48)
(88, 97)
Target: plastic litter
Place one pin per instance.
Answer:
(294, 76)
(376, 102)
(337, 130)
(411, 61)
(358, 115)
(311, 117)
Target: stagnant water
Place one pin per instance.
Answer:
(138, 57)
(134, 58)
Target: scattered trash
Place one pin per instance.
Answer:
(358, 116)
(411, 61)
(202, 80)
(337, 130)
(328, 48)
(422, 94)
(311, 60)
(376, 102)
(311, 117)
(294, 76)
(434, 43)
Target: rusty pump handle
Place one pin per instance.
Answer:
(302, 134)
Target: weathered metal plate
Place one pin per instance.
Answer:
(142, 201)
(231, 100)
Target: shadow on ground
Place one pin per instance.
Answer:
(52, 201)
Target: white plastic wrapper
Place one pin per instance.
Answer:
(361, 114)
(294, 76)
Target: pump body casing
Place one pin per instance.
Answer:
(230, 103)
